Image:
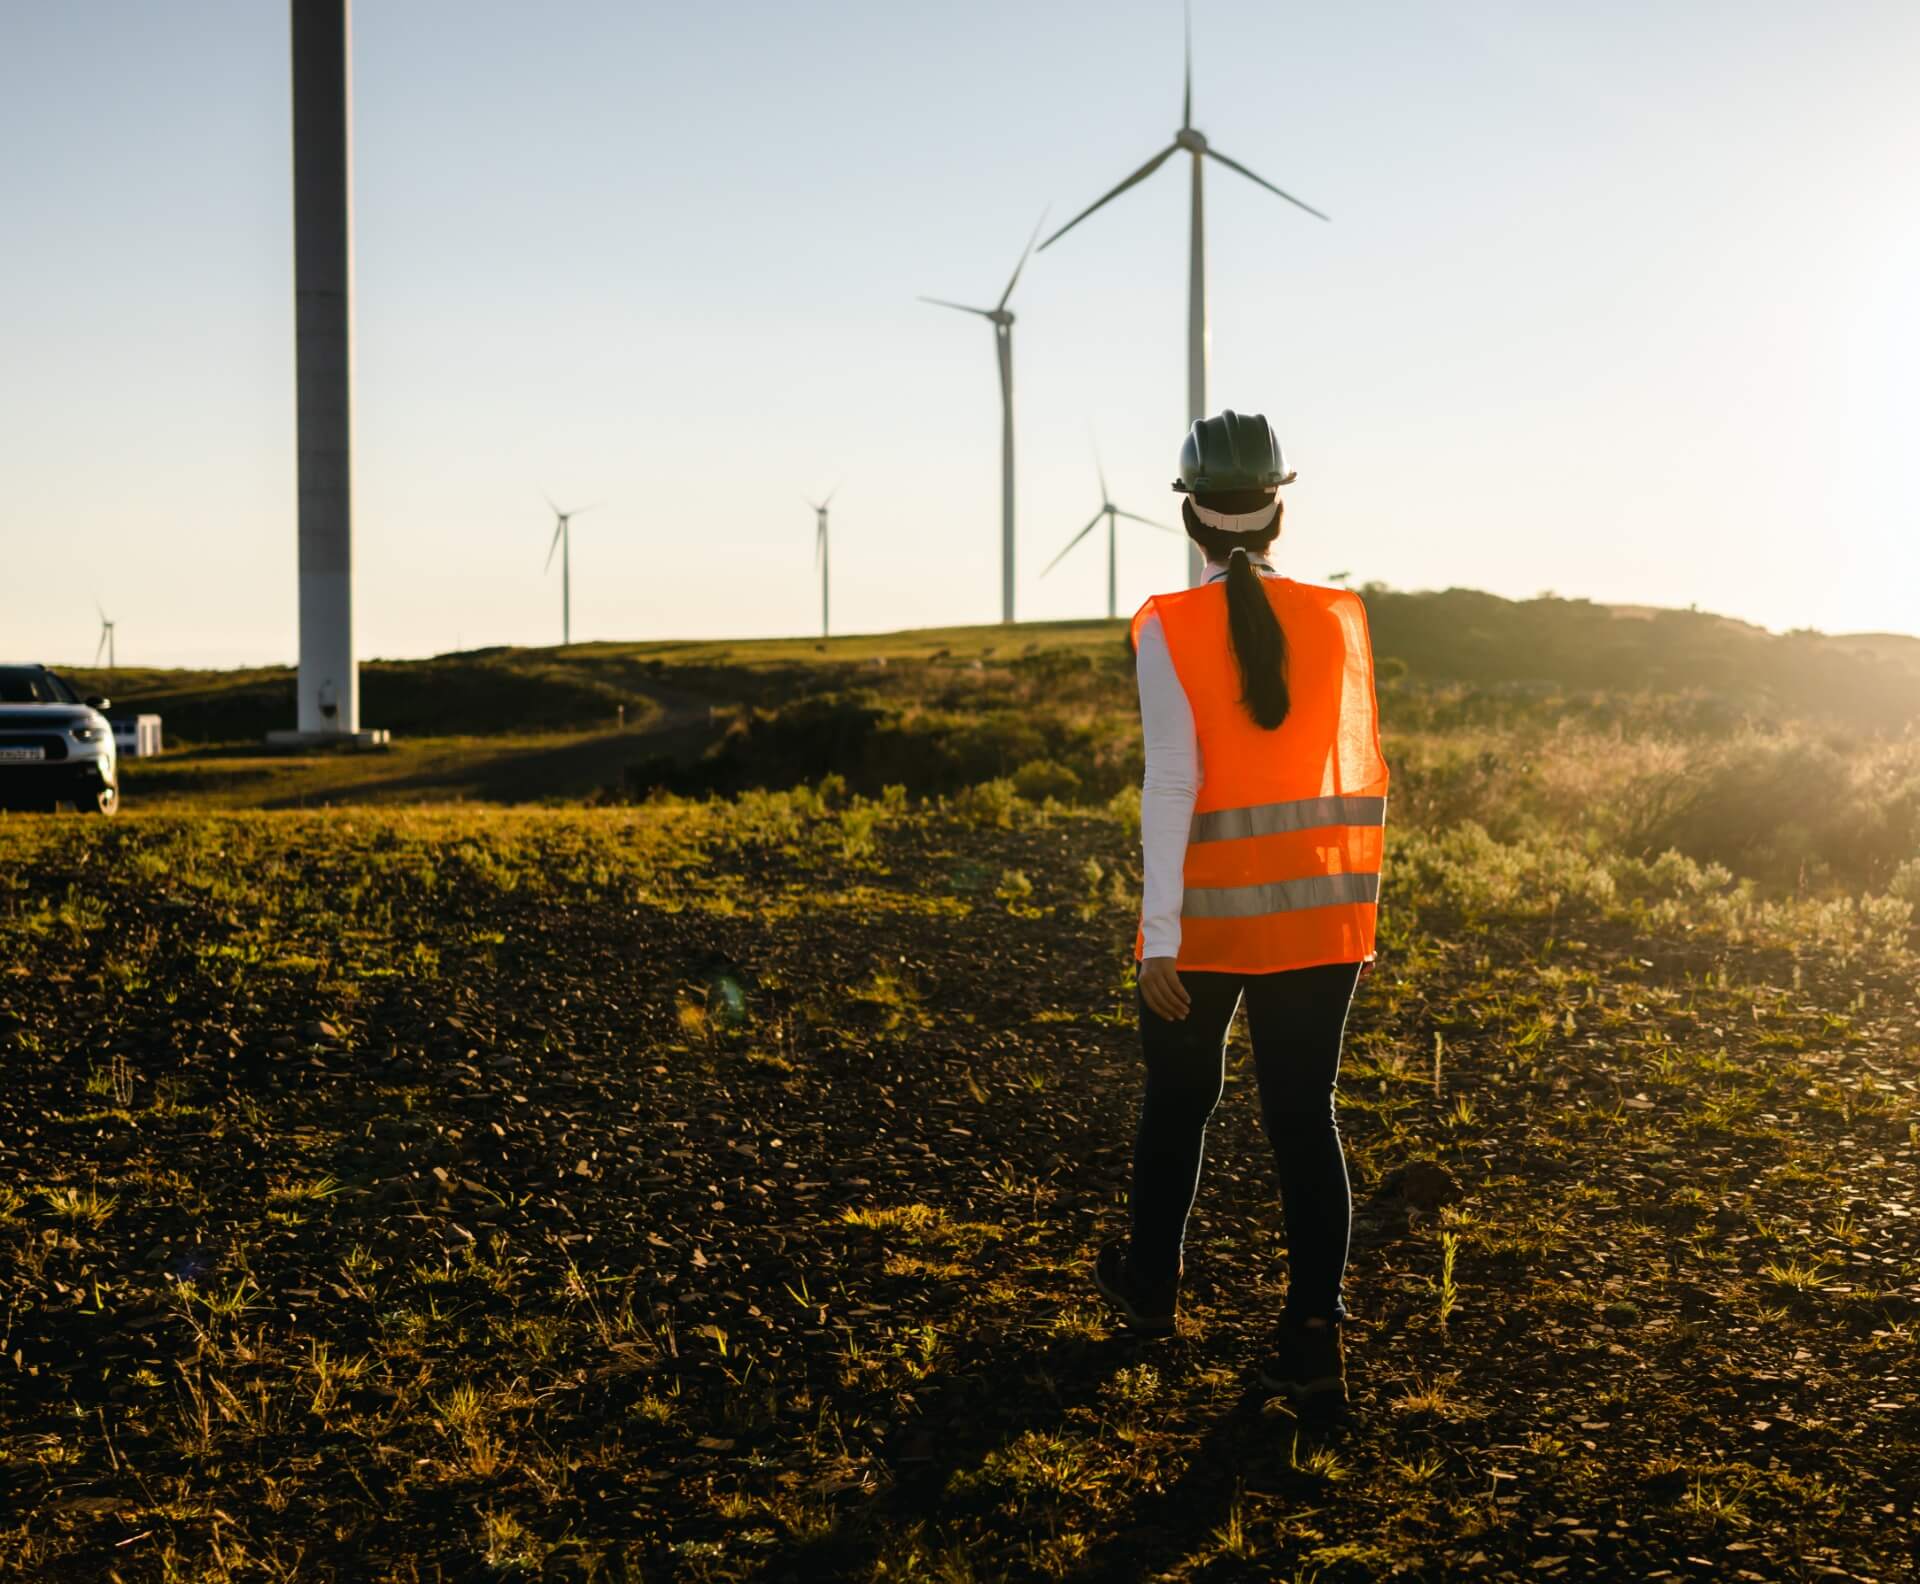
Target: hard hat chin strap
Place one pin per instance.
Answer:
(1237, 522)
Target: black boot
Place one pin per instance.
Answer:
(1146, 1307)
(1309, 1364)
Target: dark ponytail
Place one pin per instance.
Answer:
(1259, 641)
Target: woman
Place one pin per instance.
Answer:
(1261, 820)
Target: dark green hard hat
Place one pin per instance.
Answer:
(1230, 455)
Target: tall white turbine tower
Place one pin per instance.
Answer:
(1109, 511)
(328, 692)
(1000, 316)
(1193, 141)
(563, 542)
(820, 549)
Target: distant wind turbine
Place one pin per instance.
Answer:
(1109, 511)
(1000, 316)
(105, 646)
(1194, 141)
(820, 549)
(563, 542)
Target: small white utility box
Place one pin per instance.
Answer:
(138, 738)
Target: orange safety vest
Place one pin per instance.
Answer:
(1283, 860)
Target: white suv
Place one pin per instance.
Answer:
(55, 747)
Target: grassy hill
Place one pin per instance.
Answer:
(1789, 759)
(1456, 638)
(478, 691)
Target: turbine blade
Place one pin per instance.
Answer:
(100, 648)
(558, 529)
(1105, 495)
(1136, 517)
(941, 302)
(1236, 165)
(1091, 523)
(831, 493)
(1023, 259)
(579, 509)
(1186, 101)
(1140, 175)
(549, 500)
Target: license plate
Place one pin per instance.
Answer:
(22, 755)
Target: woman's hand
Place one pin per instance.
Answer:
(1161, 989)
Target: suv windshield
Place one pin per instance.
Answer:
(33, 685)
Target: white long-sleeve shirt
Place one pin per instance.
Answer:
(1172, 780)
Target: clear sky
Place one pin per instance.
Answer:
(1618, 300)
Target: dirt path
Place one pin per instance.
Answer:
(574, 768)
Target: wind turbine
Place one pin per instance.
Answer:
(105, 646)
(820, 549)
(1000, 316)
(563, 542)
(1193, 141)
(1109, 511)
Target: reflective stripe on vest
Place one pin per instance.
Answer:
(1279, 896)
(1270, 819)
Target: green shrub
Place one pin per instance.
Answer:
(993, 803)
(1014, 886)
(1801, 810)
(1040, 779)
(1905, 884)
(864, 743)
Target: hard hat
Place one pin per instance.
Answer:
(1230, 455)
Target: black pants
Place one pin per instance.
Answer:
(1296, 1020)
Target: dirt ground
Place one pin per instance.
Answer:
(702, 1194)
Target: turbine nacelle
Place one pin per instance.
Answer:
(1192, 139)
